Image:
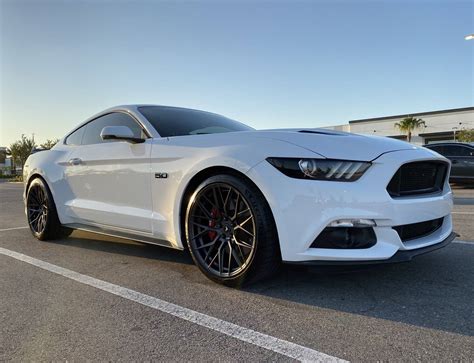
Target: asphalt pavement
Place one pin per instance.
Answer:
(91, 297)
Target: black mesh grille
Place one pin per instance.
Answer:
(420, 177)
(417, 230)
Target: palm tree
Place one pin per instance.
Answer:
(408, 124)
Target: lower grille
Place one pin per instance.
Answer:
(421, 177)
(417, 230)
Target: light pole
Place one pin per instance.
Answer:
(469, 37)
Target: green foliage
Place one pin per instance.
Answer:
(48, 144)
(466, 135)
(20, 150)
(408, 124)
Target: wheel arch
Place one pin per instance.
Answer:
(197, 179)
(32, 177)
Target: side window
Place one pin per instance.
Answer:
(454, 150)
(94, 128)
(438, 148)
(76, 137)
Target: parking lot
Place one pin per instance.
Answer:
(91, 297)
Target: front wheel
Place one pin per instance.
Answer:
(230, 231)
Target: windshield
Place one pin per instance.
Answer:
(172, 121)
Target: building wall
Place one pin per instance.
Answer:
(440, 126)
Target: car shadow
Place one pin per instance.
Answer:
(434, 291)
(108, 244)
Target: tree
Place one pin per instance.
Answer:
(408, 124)
(466, 135)
(48, 144)
(20, 150)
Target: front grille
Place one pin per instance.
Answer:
(418, 230)
(421, 177)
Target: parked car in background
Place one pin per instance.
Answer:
(462, 160)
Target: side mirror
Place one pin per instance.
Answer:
(119, 133)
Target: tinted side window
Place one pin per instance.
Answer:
(94, 128)
(454, 150)
(76, 137)
(438, 148)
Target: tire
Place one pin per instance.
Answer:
(230, 231)
(41, 213)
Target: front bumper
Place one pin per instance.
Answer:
(400, 256)
(303, 208)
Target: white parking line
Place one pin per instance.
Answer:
(13, 228)
(464, 242)
(265, 341)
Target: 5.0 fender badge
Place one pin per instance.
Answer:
(161, 175)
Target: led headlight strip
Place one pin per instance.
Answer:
(321, 169)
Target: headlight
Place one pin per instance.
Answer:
(320, 169)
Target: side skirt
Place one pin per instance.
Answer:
(120, 234)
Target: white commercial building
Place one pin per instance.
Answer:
(440, 126)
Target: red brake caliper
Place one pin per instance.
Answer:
(212, 222)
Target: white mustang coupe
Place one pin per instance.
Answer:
(241, 200)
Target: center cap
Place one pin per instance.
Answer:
(227, 227)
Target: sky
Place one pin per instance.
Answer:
(269, 64)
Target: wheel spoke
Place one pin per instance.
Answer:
(210, 202)
(227, 199)
(35, 219)
(208, 228)
(236, 210)
(236, 258)
(229, 246)
(220, 259)
(215, 256)
(201, 233)
(242, 212)
(244, 230)
(38, 223)
(221, 197)
(208, 215)
(34, 197)
(248, 219)
(241, 243)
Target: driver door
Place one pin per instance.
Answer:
(109, 180)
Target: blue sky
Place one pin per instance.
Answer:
(269, 64)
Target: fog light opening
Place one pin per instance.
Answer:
(345, 238)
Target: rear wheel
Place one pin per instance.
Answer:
(41, 212)
(230, 231)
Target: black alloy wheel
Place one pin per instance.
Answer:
(37, 205)
(225, 231)
(41, 212)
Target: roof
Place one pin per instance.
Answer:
(451, 110)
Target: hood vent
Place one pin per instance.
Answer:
(321, 132)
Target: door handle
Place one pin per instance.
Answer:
(75, 161)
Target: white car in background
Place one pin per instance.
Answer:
(241, 200)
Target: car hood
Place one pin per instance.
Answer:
(336, 144)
